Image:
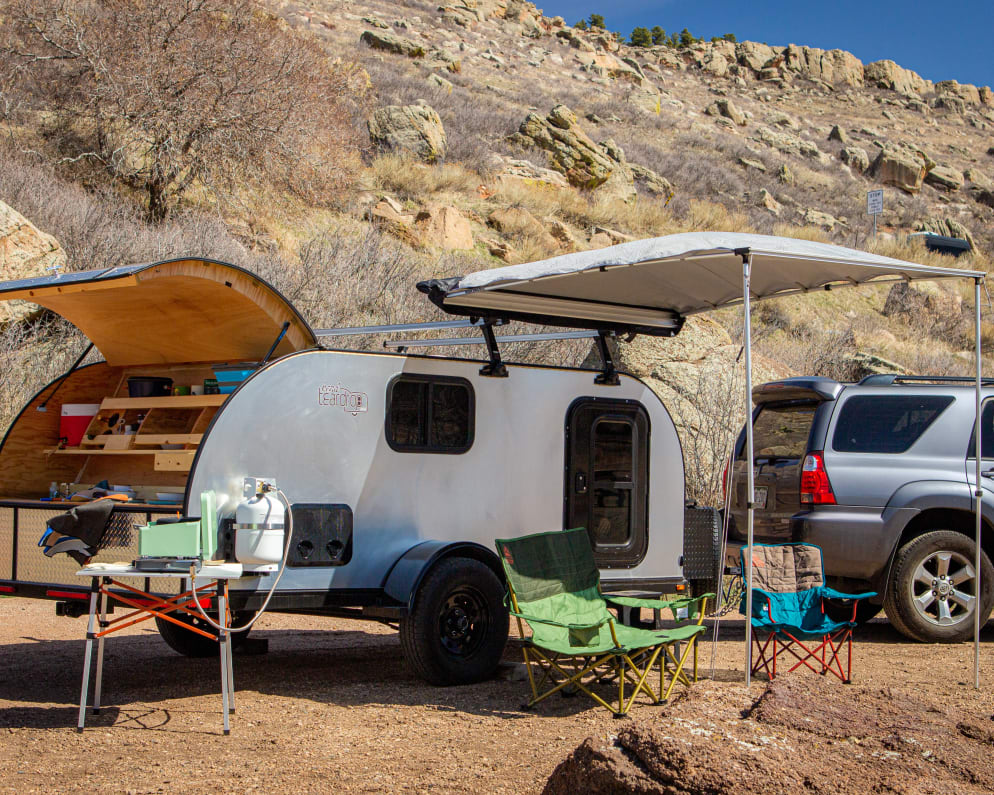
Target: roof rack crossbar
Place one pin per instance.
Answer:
(397, 328)
(894, 378)
(446, 341)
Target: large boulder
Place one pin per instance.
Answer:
(887, 74)
(572, 152)
(25, 252)
(726, 108)
(379, 40)
(903, 166)
(970, 94)
(945, 178)
(415, 129)
(444, 227)
(856, 158)
(753, 54)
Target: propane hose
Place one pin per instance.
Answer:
(272, 590)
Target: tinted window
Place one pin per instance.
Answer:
(429, 415)
(885, 424)
(782, 431)
(986, 433)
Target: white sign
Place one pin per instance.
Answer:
(874, 202)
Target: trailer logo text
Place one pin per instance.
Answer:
(352, 402)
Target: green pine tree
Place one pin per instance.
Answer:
(686, 38)
(641, 37)
(597, 21)
(581, 25)
(658, 35)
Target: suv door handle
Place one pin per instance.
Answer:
(988, 473)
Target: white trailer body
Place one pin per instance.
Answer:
(401, 470)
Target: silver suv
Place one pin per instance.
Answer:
(878, 474)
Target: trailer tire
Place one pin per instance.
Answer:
(190, 644)
(456, 631)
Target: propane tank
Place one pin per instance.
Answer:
(259, 518)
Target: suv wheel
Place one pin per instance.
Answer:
(933, 588)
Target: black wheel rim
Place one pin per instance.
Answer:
(463, 621)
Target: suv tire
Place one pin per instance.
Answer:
(457, 629)
(932, 576)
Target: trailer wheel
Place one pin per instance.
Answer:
(190, 644)
(457, 628)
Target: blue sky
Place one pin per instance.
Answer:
(951, 40)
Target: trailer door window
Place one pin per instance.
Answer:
(607, 478)
(429, 414)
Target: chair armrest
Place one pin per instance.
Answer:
(831, 593)
(666, 604)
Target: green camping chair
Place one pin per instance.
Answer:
(554, 586)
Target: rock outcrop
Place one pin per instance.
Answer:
(444, 227)
(415, 129)
(573, 153)
(887, 74)
(902, 165)
(379, 40)
(25, 252)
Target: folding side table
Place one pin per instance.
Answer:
(210, 581)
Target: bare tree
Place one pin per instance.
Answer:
(176, 94)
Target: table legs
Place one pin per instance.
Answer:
(97, 627)
(90, 622)
(227, 700)
(102, 623)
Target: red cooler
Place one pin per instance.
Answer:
(75, 420)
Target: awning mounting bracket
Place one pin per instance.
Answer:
(610, 376)
(496, 368)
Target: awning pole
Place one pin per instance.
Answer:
(978, 496)
(750, 484)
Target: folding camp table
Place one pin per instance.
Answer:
(211, 580)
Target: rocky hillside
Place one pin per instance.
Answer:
(494, 134)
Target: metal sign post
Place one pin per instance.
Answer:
(874, 206)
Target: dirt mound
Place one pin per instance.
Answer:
(802, 733)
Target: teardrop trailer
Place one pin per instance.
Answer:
(400, 469)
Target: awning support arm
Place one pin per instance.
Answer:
(69, 372)
(610, 376)
(496, 368)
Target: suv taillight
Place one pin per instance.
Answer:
(815, 488)
(724, 481)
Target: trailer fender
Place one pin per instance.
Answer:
(406, 574)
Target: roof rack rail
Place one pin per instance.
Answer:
(885, 379)
(398, 328)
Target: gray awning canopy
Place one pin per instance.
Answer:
(649, 286)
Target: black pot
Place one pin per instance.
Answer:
(149, 386)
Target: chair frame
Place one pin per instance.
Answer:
(619, 661)
(782, 639)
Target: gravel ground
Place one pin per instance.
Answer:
(333, 706)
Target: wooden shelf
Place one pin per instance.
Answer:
(163, 402)
(168, 438)
(165, 460)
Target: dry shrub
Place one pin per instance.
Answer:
(708, 413)
(411, 179)
(163, 97)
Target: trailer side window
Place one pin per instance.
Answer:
(429, 414)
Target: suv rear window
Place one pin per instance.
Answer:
(884, 423)
(782, 431)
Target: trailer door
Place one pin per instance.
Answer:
(607, 468)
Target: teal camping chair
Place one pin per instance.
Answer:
(576, 643)
(788, 607)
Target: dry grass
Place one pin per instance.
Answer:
(411, 179)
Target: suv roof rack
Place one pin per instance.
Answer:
(886, 379)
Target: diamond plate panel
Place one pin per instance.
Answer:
(120, 546)
(6, 543)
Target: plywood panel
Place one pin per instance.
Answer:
(185, 311)
(26, 470)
